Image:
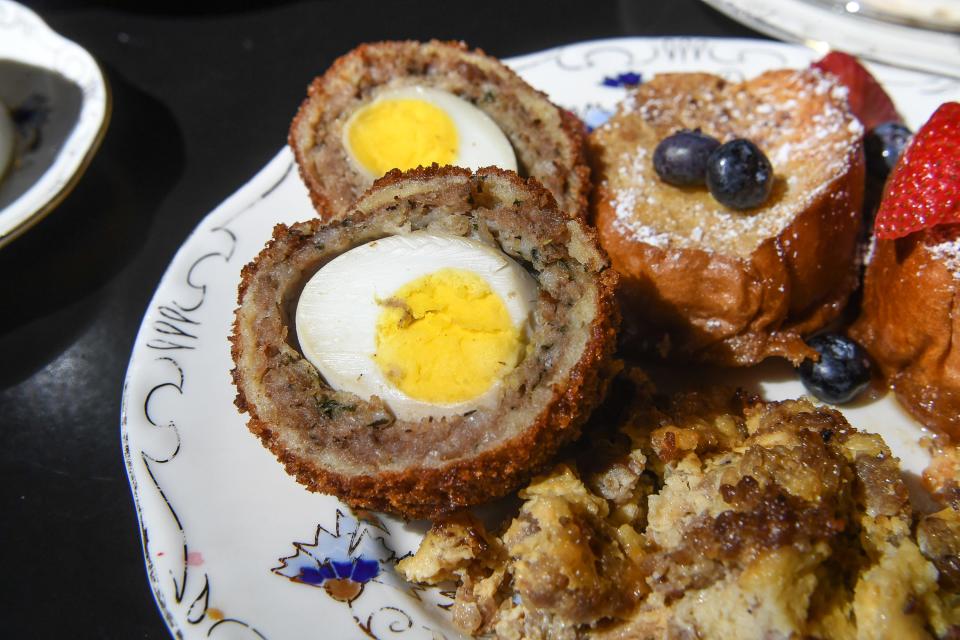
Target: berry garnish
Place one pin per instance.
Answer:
(883, 146)
(681, 159)
(842, 372)
(867, 99)
(739, 175)
(924, 189)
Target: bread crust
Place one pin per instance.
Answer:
(739, 303)
(910, 325)
(549, 141)
(557, 404)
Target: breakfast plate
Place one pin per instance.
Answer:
(855, 27)
(233, 546)
(60, 106)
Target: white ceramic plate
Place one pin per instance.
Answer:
(60, 91)
(234, 547)
(823, 25)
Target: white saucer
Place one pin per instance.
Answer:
(825, 25)
(59, 94)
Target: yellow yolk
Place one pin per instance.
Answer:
(402, 133)
(446, 337)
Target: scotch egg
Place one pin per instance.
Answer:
(417, 126)
(429, 323)
(399, 105)
(430, 350)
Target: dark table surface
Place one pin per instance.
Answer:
(202, 98)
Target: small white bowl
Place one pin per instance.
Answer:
(61, 89)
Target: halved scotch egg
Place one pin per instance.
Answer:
(399, 105)
(432, 349)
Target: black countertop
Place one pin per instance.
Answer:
(201, 100)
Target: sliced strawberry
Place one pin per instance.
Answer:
(868, 101)
(924, 188)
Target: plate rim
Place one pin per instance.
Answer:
(889, 17)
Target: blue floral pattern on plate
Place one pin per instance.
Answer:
(627, 79)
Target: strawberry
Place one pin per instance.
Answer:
(924, 188)
(868, 101)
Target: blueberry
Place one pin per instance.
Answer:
(883, 146)
(842, 372)
(681, 159)
(739, 175)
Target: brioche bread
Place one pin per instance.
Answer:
(910, 323)
(548, 141)
(704, 282)
(942, 476)
(707, 515)
(336, 442)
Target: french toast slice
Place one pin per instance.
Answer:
(707, 283)
(910, 325)
(548, 141)
(334, 441)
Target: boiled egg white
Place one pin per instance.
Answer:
(429, 323)
(7, 140)
(416, 126)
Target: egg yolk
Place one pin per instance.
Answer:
(446, 337)
(402, 133)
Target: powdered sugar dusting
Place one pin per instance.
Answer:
(799, 119)
(869, 250)
(944, 245)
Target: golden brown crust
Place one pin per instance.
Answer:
(548, 140)
(557, 407)
(730, 294)
(910, 325)
(707, 515)
(942, 476)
